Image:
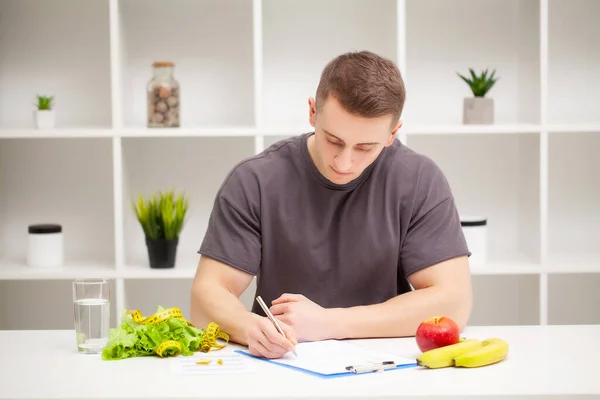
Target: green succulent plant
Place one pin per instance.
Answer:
(480, 84)
(161, 215)
(44, 102)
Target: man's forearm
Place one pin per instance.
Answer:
(214, 303)
(400, 316)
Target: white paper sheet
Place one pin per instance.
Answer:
(233, 363)
(333, 356)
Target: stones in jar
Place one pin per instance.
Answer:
(164, 100)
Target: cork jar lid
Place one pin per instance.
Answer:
(159, 64)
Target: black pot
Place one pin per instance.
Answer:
(162, 252)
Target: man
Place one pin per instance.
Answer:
(336, 225)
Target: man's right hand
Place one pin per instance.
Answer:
(264, 340)
(216, 292)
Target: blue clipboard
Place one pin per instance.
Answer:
(333, 375)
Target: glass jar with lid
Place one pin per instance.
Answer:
(163, 97)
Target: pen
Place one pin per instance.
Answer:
(376, 367)
(272, 318)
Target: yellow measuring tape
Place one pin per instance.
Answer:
(169, 344)
(212, 334)
(158, 317)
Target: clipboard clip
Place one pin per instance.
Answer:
(373, 367)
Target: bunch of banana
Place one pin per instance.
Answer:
(468, 353)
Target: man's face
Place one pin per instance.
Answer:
(345, 144)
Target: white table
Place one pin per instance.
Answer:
(543, 360)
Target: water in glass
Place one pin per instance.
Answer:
(92, 314)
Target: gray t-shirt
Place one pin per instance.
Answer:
(276, 217)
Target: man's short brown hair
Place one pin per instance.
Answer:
(364, 83)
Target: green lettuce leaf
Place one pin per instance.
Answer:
(131, 339)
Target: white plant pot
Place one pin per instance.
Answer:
(478, 110)
(43, 119)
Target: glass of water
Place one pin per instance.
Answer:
(91, 306)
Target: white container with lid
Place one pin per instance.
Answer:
(475, 231)
(45, 245)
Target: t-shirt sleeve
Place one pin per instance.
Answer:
(233, 233)
(434, 231)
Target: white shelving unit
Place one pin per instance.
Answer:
(246, 68)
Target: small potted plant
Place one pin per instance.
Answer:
(479, 109)
(43, 114)
(162, 218)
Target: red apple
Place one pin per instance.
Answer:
(437, 332)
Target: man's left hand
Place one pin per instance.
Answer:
(309, 320)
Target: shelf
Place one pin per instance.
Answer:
(42, 304)
(574, 128)
(573, 61)
(55, 48)
(294, 53)
(573, 263)
(17, 269)
(246, 70)
(56, 133)
(143, 132)
(556, 264)
(460, 129)
(573, 299)
(211, 44)
(505, 300)
(66, 181)
(518, 264)
(283, 131)
(186, 264)
(186, 269)
(573, 194)
(496, 176)
(199, 168)
(445, 37)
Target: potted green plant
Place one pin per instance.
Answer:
(43, 114)
(479, 109)
(161, 216)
